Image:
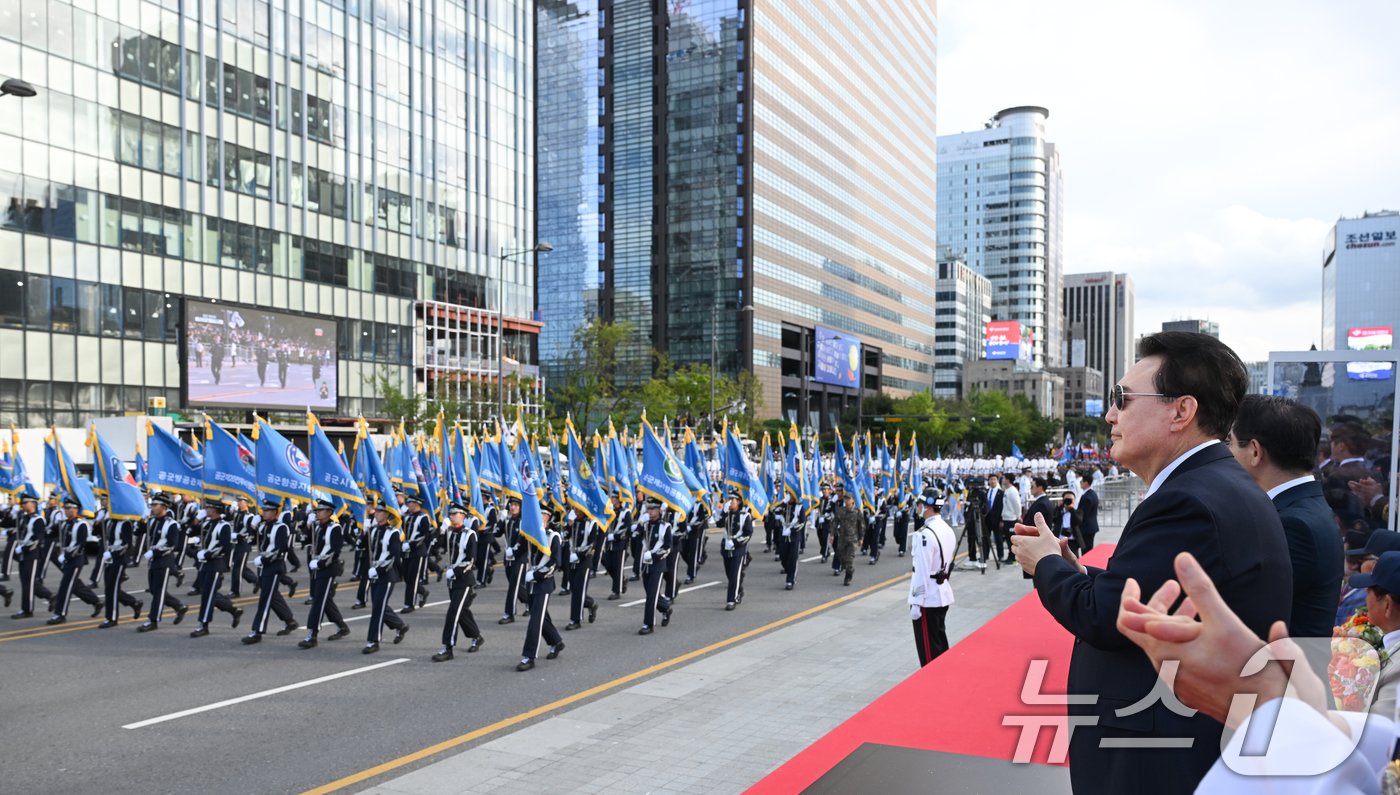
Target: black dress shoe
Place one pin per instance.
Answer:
(201, 632)
(370, 648)
(787, 587)
(477, 643)
(572, 625)
(554, 651)
(96, 610)
(634, 578)
(7, 596)
(23, 614)
(525, 665)
(614, 596)
(251, 638)
(666, 619)
(644, 631)
(358, 606)
(308, 643)
(506, 620)
(292, 589)
(56, 620)
(237, 617)
(406, 610)
(398, 634)
(308, 601)
(344, 631)
(442, 656)
(148, 627)
(729, 606)
(180, 613)
(192, 592)
(688, 580)
(593, 613)
(289, 628)
(136, 610)
(108, 624)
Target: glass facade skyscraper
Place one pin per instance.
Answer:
(766, 168)
(1000, 194)
(364, 163)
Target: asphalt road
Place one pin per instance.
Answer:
(66, 693)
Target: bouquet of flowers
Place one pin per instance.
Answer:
(1357, 654)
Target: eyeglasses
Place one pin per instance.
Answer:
(1118, 397)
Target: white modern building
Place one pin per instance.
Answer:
(962, 310)
(999, 199)
(1361, 307)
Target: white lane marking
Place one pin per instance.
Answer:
(265, 693)
(683, 590)
(814, 557)
(366, 616)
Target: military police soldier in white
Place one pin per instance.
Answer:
(932, 547)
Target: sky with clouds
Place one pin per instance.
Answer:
(1206, 146)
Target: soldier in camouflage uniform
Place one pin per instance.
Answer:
(850, 528)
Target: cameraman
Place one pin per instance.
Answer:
(930, 595)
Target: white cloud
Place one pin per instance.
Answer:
(1206, 146)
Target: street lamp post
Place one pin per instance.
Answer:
(501, 322)
(14, 87)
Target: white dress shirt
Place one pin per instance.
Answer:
(1282, 487)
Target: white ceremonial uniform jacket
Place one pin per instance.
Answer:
(932, 549)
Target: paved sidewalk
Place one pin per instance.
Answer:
(720, 724)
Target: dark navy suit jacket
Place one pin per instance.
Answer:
(1211, 508)
(1315, 547)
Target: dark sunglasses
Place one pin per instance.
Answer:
(1118, 396)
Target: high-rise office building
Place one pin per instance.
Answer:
(263, 204)
(1098, 324)
(999, 199)
(1360, 293)
(964, 307)
(1196, 326)
(756, 204)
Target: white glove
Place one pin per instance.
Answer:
(199, 556)
(258, 562)
(573, 557)
(313, 564)
(405, 546)
(194, 541)
(510, 553)
(646, 556)
(530, 575)
(915, 612)
(62, 558)
(373, 573)
(728, 543)
(106, 556)
(451, 573)
(787, 532)
(149, 554)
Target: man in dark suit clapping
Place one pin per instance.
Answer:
(1168, 414)
(1275, 440)
(1088, 510)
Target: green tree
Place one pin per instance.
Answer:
(398, 404)
(587, 385)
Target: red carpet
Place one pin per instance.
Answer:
(956, 703)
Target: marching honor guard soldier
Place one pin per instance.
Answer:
(516, 557)
(486, 541)
(386, 551)
(462, 542)
(359, 541)
(583, 538)
(826, 511)
(790, 534)
(738, 529)
(243, 539)
(930, 595)
(121, 544)
(656, 539)
(323, 558)
(901, 512)
(271, 564)
(693, 550)
(615, 544)
(418, 535)
(167, 539)
(539, 577)
(31, 532)
(75, 535)
(670, 583)
(213, 565)
(850, 527)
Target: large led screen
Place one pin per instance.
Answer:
(236, 356)
(838, 358)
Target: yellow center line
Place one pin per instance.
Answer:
(506, 723)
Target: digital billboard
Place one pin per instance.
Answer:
(236, 356)
(838, 358)
(1003, 339)
(1370, 338)
(1093, 407)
